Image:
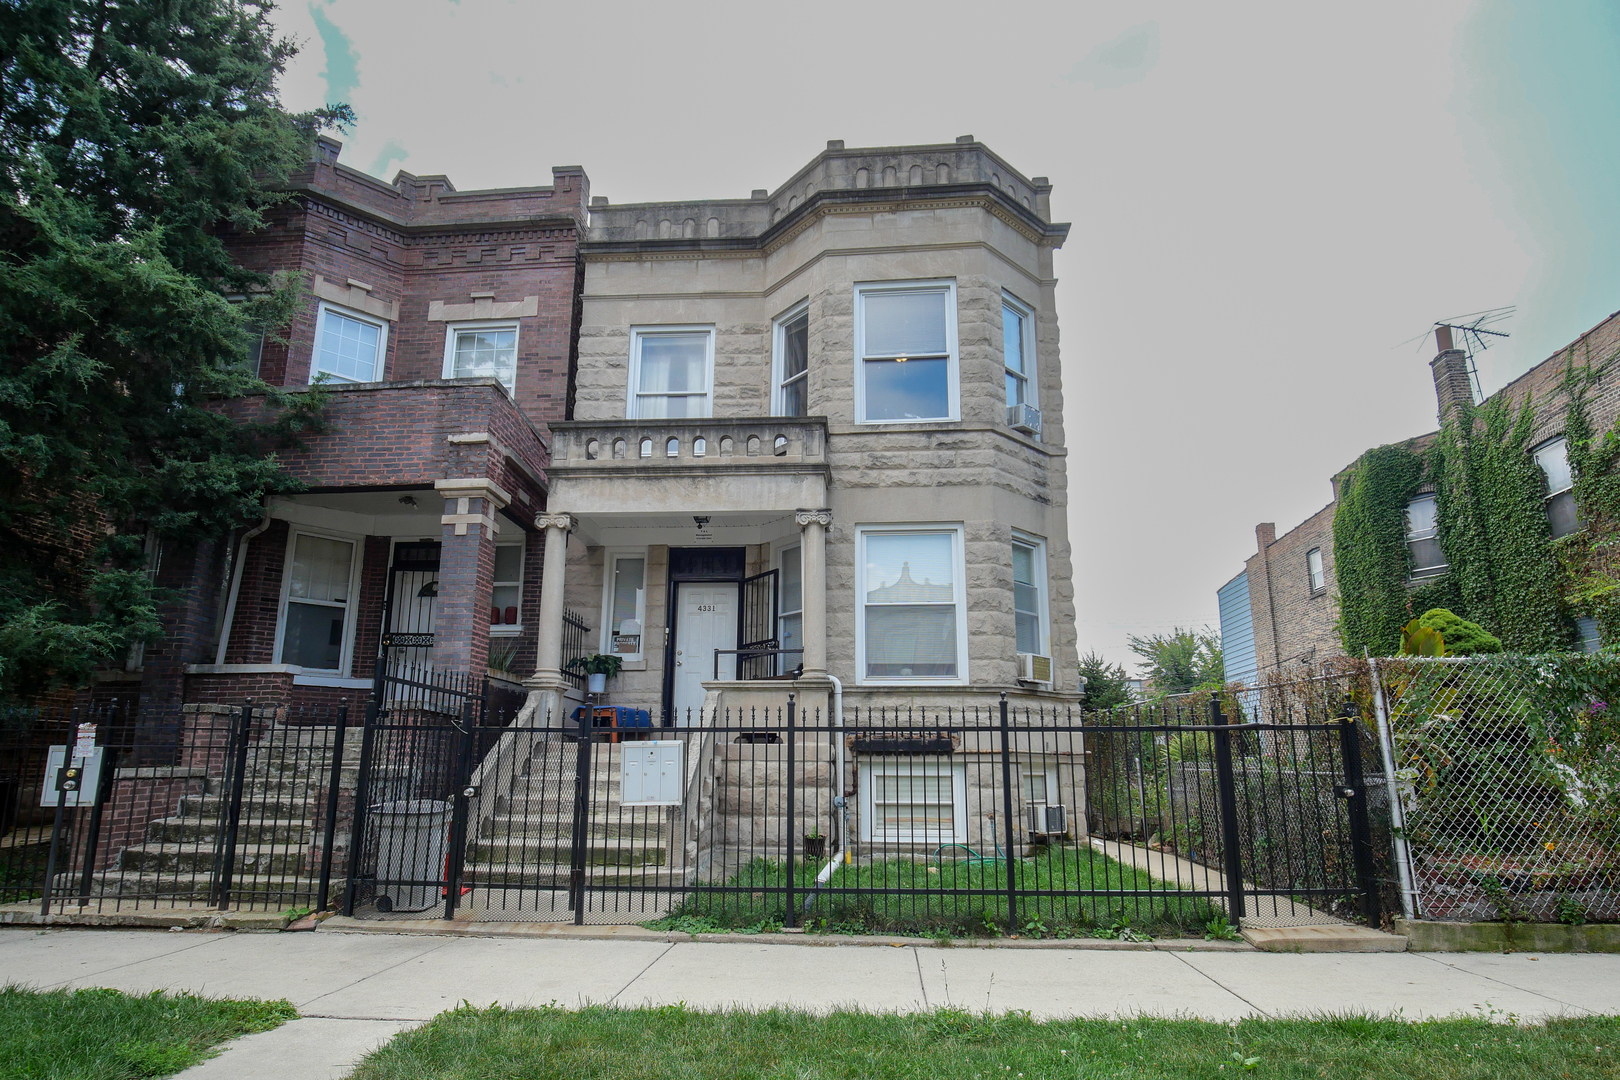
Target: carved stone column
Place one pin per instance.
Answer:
(466, 573)
(553, 579)
(813, 525)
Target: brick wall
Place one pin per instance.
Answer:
(1293, 624)
(253, 630)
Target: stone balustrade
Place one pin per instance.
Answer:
(688, 443)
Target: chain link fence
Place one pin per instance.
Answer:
(1504, 776)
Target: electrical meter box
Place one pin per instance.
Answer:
(651, 773)
(72, 775)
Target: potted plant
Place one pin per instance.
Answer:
(815, 845)
(598, 668)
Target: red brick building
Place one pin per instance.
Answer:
(1292, 596)
(444, 326)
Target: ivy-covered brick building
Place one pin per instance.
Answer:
(1508, 515)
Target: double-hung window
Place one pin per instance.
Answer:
(905, 352)
(912, 615)
(349, 347)
(671, 370)
(624, 605)
(792, 362)
(506, 599)
(1029, 593)
(482, 351)
(790, 609)
(1018, 351)
(319, 584)
(914, 800)
(1313, 569)
(1553, 458)
(1423, 539)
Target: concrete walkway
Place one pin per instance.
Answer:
(355, 991)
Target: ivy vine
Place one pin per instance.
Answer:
(1589, 560)
(1369, 548)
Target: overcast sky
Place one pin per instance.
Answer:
(1269, 200)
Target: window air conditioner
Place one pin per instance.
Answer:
(1048, 819)
(1024, 418)
(1032, 667)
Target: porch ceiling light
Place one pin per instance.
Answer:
(407, 500)
(701, 521)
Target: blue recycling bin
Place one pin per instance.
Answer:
(615, 721)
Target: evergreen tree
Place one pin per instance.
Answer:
(1107, 685)
(131, 134)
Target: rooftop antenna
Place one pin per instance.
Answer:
(1471, 335)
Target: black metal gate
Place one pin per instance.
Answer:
(413, 590)
(1023, 818)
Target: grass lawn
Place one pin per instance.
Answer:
(920, 904)
(673, 1042)
(108, 1035)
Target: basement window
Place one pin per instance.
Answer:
(914, 800)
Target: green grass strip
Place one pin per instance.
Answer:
(677, 1043)
(109, 1035)
(910, 897)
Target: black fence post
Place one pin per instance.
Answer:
(461, 803)
(329, 834)
(233, 818)
(1231, 844)
(109, 767)
(582, 811)
(792, 826)
(1008, 825)
(362, 794)
(1355, 794)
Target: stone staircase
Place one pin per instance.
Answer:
(278, 846)
(527, 841)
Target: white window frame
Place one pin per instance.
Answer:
(1032, 391)
(452, 329)
(959, 574)
(904, 765)
(1039, 544)
(1416, 573)
(378, 368)
(610, 561)
(1547, 499)
(633, 383)
(351, 606)
(779, 353)
(511, 629)
(1048, 770)
(952, 360)
(1311, 575)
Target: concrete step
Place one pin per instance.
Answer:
(550, 824)
(199, 858)
(198, 886)
(255, 805)
(541, 852)
(557, 876)
(184, 830)
(1340, 938)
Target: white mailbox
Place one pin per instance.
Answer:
(651, 773)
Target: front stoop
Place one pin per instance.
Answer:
(1343, 938)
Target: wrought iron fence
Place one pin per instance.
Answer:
(575, 645)
(200, 805)
(1020, 817)
(1505, 786)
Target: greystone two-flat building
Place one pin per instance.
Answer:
(817, 437)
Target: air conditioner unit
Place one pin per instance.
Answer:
(1024, 418)
(1032, 667)
(1048, 819)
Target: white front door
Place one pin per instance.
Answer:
(707, 621)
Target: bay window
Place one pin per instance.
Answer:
(482, 351)
(1018, 351)
(1029, 594)
(912, 621)
(671, 369)
(791, 361)
(349, 347)
(905, 352)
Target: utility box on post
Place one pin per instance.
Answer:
(72, 775)
(652, 773)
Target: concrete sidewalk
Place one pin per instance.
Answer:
(355, 991)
